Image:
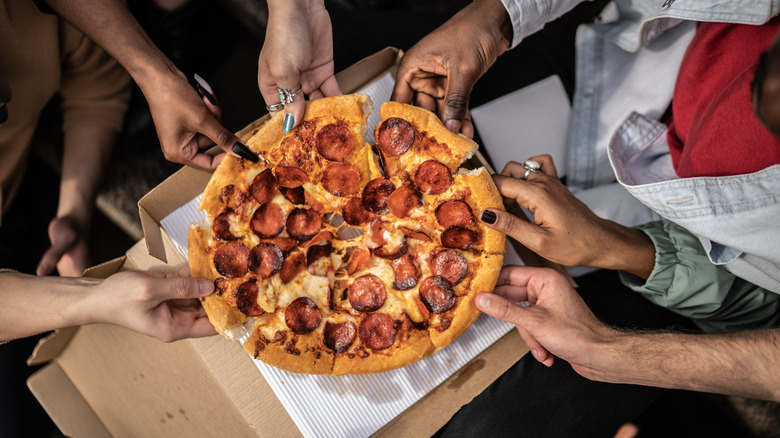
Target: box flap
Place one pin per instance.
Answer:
(65, 404)
(50, 346)
(354, 76)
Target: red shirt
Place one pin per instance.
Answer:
(714, 131)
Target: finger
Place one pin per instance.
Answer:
(467, 128)
(499, 307)
(293, 111)
(426, 101)
(48, 261)
(199, 328)
(402, 90)
(330, 87)
(182, 288)
(226, 140)
(513, 293)
(456, 101)
(509, 224)
(536, 349)
(546, 161)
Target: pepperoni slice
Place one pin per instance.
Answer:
(458, 237)
(406, 275)
(316, 205)
(395, 136)
(232, 259)
(433, 177)
(375, 195)
(291, 177)
(354, 213)
(437, 295)
(322, 236)
(450, 213)
(296, 195)
(414, 234)
(358, 260)
(293, 265)
(265, 259)
(267, 221)
(303, 224)
(338, 337)
(284, 243)
(246, 299)
(389, 253)
(335, 141)
(221, 226)
(367, 293)
(450, 265)
(264, 188)
(341, 179)
(377, 331)
(302, 316)
(402, 201)
(316, 252)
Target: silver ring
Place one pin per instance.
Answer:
(286, 96)
(530, 167)
(274, 107)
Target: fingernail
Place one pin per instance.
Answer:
(488, 217)
(453, 125)
(483, 301)
(204, 89)
(289, 121)
(535, 354)
(242, 151)
(206, 287)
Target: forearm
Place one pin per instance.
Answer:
(627, 249)
(87, 149)
(742, 363)
(111, 26)
(33, 305)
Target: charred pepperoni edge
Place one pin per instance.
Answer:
(375, 195)
(450, 213)
(264, 188)
(293, 264)
(339, 336)
(432, 177)
(221, 226)
(437, 294)
(220, 286)
(265, 259)
(316, 252)
(458, 237)
(367, 293)
(358, 260)
(303, 224)
(286, 244)
(231, 196)
(402, 201)
(414, 234)
(267, 221)
(335, 141)
(291, 177)
(354, 213)
(246, 299)
(377, 331)
(395, 136)
(302, 316)
(388, 255)
(406, 274)
(232, 259)
(450, 265)
(341, 179)
(322, 236)
(296, 195)
(426, 314)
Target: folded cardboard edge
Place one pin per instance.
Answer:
(168, 195)
(64, 403)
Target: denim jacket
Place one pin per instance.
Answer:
(626, 70)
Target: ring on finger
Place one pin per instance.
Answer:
(287, 95)
(274, 107)
(530, 167)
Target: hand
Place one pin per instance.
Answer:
(68, 252)
(163, 306)
(439, 72)
(298, 50)
(556, 320)
(187, 123)
(565, 230)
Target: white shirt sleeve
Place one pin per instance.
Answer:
(530, 16)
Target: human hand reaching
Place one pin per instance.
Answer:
(68, 252)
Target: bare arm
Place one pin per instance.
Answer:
(165, 307)
(558, 323)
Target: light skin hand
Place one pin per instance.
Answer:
(565, 230)
(298, 49)
(439, 72)
(69, 252)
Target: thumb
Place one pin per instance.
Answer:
(456, 101)
(183, 288)
(226, 140)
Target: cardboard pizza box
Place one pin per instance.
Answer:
(103, 380)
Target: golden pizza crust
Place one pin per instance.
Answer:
(484, 194)
(295, 353)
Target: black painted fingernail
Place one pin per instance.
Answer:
(242, 151)
(203, 92)
(489, 217)
(203, 88)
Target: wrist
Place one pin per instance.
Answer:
(629, 250)
(78, 308)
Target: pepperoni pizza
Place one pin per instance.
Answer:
(343, 258)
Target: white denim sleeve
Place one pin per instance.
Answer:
(530, 16)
